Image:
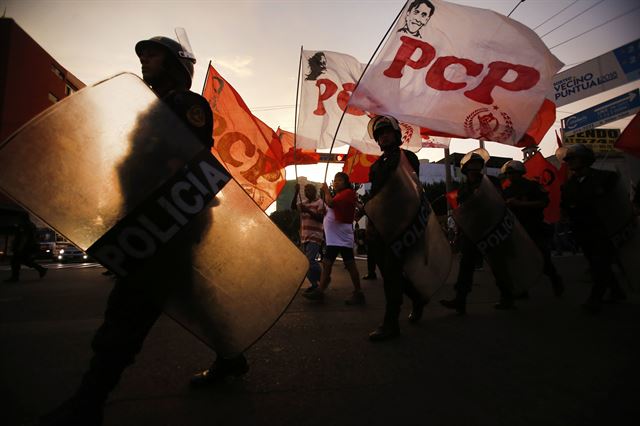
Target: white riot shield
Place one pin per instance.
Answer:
(117, 173)
(403, 217)
(616, 214)
(487, 221)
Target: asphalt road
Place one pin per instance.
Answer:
(546, 363)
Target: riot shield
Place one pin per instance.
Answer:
(117, 173)
(512, 255)
(616, 214)
(402, 215)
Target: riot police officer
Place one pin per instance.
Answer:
(168, 70)
(386, 132)
(472, 165)
(527, 199)
(580, 194)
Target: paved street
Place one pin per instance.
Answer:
(545, 363)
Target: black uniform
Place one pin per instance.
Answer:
(532, 219)
(131, 309)
(470, 256)
(395, 283)
(579, 197)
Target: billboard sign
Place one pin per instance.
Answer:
(613, 69)
(606, 112)
(600, 140)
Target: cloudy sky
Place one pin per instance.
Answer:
(255, 44)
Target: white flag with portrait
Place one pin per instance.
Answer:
(459, 70)
(328, 78)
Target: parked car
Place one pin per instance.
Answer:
(69, 253)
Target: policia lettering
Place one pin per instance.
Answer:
(143, 232)
(413, 233)
(500, 233)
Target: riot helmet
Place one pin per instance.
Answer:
(579, 151)
(477, 156)
(181, 57)
(380, 122)
(513, 166)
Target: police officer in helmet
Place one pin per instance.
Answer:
(168, 70)
(580, 193)
(472, 165)
(527, 199)
(385, 130)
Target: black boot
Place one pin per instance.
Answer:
(417, 310)
(221, 368)
(384, 332)
(459, 303)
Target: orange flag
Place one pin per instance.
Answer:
(288, 157)
(629, 140)
(545, 173)
(243, 143)
(357, 165)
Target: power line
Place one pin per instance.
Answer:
(596, 27)
(571, 19)
(553, 16)
(515, 7)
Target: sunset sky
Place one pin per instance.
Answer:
(255, 44)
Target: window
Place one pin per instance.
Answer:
(53, 98)
(57, 72)
(69, 89)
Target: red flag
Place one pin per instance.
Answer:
(558, 140)
(300, 156)
(243, 143)
(629, 140)
(357, 165)
(543, 120)
(545, 173)
(452, 198)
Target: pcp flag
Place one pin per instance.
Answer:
(290, 156)
(460, 71)
(243, 143)
(328, 78)
(357, 165)
(547, 175)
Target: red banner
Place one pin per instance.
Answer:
(357, 165)
(243, 143)
(629, 140)
(288, 156)
(545, 173)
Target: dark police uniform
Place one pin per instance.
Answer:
(395, 283)
(579, 195)
(132, 309)
(532, 219)
(470, 255)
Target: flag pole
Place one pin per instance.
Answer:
(295, 122)
(205, 79)
(326, 170)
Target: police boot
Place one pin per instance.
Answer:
(417, 309)
(459, 303)
(221, 368)
(385, 332)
